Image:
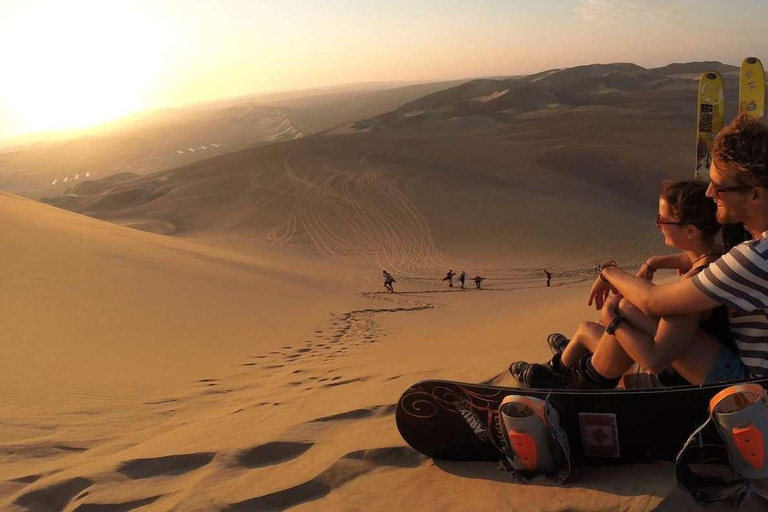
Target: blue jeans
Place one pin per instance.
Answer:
(727, 368)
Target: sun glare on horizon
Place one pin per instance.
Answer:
(76, 65)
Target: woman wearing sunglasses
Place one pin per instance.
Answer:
(698, 346)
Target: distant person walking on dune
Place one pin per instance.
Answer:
(549, 278)
(462, 277)
(449, 277)
(388, 280)
(478, 281)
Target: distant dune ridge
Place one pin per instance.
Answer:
(472, 169)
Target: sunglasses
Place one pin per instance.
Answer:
(718, 190)
(661, 222)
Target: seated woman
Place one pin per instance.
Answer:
(697, 346)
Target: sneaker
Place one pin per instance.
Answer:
(557, 342)
(517, 368)
(534, 375)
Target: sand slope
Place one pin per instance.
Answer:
(156, 373)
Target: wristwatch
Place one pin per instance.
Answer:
(611, 329)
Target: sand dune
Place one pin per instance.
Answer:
(169, 138)
(441, 191)
(216, 336)
(167, 373)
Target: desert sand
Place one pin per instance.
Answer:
(148, 372)
(216, 336)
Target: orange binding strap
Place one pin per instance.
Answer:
(749, 441)
(525, 448)
(751, 387)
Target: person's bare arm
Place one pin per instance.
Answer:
(672, 299)
(673, 336)
(679, 262)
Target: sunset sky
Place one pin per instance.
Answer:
(80, 62)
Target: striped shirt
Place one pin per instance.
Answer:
(739, 280)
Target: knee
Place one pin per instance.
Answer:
(626, 308)
(586, 327)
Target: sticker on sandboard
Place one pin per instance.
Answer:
(599, 434)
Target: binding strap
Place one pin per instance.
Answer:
(535, 444)
(740, 415)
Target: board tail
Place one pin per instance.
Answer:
(752, 88)
(711, 111)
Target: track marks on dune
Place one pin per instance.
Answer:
(343, 471)
(343, 333)
(361, 214)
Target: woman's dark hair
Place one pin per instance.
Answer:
(689, 202)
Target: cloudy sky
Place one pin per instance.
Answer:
(80, 62)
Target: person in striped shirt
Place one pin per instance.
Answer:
(739, 280)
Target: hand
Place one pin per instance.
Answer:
(610, 309)
(599, 293)
(645, 272)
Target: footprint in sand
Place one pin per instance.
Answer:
(165, 466)
(358, 414)
(116, 507)
(343, 382)
(271, 453)
(26, 479)
(53, 497)
(346, 469)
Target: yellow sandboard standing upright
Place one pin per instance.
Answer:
(752, 88)
(710, 119)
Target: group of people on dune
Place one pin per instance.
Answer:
(389, 280)
(708, 326)
(462, 277)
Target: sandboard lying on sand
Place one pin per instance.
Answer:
(457, 421)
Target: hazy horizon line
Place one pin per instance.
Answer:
(52, 135)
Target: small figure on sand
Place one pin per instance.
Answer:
(549, 277)
(478, 281)
(449, 277)
(462, 278)
(388, 280)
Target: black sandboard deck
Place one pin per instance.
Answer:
(453, 421)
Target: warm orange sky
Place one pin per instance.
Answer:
(81, 62)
